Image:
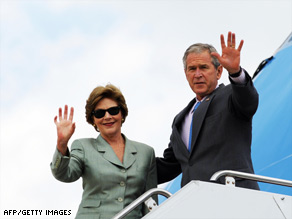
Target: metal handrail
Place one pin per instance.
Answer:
(139, 200)
(250, 176)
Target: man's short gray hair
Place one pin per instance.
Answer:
(198, 48)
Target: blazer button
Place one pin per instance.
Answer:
(122, 183)
(123, 170)
(120, 199)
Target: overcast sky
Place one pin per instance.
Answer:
(56, 52)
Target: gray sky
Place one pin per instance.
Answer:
(55, 52)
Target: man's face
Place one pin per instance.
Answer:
(202, 74)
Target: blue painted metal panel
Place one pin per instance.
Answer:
(272, 124)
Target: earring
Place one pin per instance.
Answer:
(95, 127)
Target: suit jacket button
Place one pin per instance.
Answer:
(120, 199)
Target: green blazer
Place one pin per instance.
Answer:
(108, 185)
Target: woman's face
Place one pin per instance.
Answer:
(109, 125)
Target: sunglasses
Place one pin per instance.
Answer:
(101, 112)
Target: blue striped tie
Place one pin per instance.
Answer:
(191, 128)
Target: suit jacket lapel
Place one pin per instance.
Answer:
(107, 152)
(129, 155)
(182, 114)
(199, 116)
(177, 127)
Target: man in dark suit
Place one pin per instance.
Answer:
(214, 131)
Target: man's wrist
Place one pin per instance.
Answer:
(240, 79)
(237, 74)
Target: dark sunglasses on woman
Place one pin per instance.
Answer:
(101, 112)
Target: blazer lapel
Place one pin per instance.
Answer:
(129, 154)
(182, 114)
(107, 152)
(177, 127)
(199, 116)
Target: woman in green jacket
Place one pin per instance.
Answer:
(115, 170)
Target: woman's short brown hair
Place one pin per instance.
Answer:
(109, 91)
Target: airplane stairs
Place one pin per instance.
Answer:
(211, 200)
